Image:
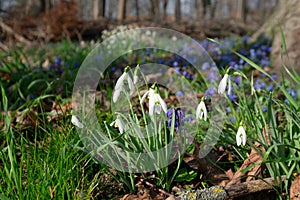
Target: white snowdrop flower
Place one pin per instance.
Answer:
(223, 83)
(135, 79)
(119, 87)
(201, 112)
(118, 124)
(148, 33)
(135, 75)
(156, 103)
(241, 136)
(76, 122)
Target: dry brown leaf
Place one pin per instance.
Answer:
(295, 189)
(266, 135)
(27, 118)
(254, 157)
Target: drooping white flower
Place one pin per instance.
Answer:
(118, 124)
(119, 87)
(135, 75)
(201, 111)
(241, 136)
(135, 79)
(223, 84)
(156, 103)
(76, 122)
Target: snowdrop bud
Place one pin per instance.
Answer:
(241, 136)
(118, 124)
(76, 122)
(223, 83)
(201, 112)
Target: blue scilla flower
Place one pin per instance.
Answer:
(189, 118)
(232, 96)
(237, 80)
(270, 88)
(179, 115)
(76, 64)
(205, 66)
(246, 39)
(252, 54)
(292, 92)
(243, 51)
(57, 61)
(274, 76)
(227, 110)
(210, 91)
(259, 85)
(213, 76)
(161, 61)
(264, 109)
(179, 93)
(265, 62)
(187, 75)
(31, 96)
(232, 119)
(241, 61)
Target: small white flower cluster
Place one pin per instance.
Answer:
(241, 136)
(120, 84)
(157, 104)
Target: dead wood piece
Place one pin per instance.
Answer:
(252, 187)
(10, 31)
(257, 189)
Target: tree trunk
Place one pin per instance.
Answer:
(165, 4)
(28, 6)
(213, 7)
(95, 9)
(154, 10)
(102, 8)
(121, 10)
(286, 15)
(45, 5)
(199, 9)
(177, 11)
(137, 10)
(241, 10)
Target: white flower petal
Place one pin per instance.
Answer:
(130, 83)
(241, 136)
(116, 94)
(222, 85)
(76, 122)
(204, 110)
(244, 139)
(201, 111)
(111, 124)
(135, 79)
(120, 125)
(162, 103)
(198, 111)
(120, 81)
(152, 102)
(144, 96)
(238, 140)
(157, 108)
